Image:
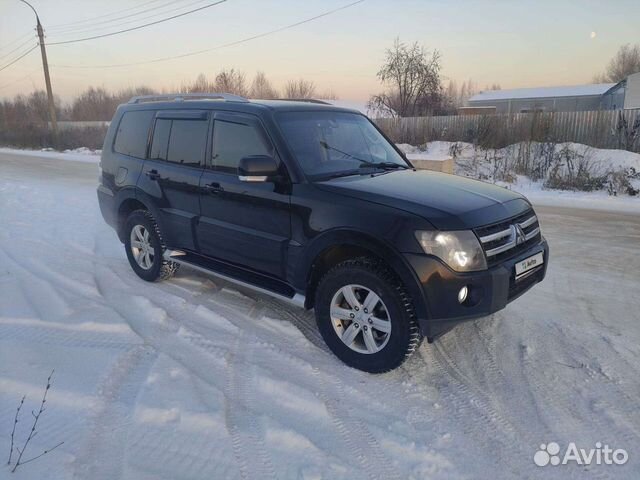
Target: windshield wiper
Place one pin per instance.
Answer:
(383, 165)
(329, 147)
(366, 163)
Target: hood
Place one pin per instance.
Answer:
(448, 202)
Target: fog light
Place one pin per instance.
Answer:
(462, 294)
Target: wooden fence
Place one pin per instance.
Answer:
(600, 129)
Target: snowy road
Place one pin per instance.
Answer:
(195, 379)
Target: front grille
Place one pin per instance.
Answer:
(503, 240)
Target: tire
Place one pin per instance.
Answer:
(362, 276)
(155, 267)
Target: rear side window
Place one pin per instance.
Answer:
(179, 141)
(233, 141)
(133, 133)
(187, 142)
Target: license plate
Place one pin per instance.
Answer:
(523, 266)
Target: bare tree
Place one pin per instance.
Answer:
(624, 63)
(261, 87)
(93, 104)
(232, 81)
(329, 94)
(300, 88)
(454, 97)
(200, 85)
(412, 77)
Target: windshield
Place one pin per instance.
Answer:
(337, 143)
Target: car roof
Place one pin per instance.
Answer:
(250, 105)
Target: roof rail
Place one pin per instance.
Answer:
(181, 97)
(307, 100)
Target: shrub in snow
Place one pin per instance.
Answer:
(621, 182)
(571, 170)
(32, 432)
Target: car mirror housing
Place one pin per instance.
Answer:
(258, 168)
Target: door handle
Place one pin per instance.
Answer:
(213, 188)
(153, 174)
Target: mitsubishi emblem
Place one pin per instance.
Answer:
(520, 235)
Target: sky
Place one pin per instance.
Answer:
(512, 43)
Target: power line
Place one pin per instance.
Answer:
(237, 42)
(91, 26)
(29, 40)
(93, 30)
(139, 26)
(2, 87)
(20, 57)
(91, 19)
(16, 40)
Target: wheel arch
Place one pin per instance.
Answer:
(128, 203)
(337, 246)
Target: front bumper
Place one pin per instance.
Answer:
(489, 291)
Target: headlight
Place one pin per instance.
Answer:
(460, 250)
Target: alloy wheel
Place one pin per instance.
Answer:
(360, 319)
(141, 248)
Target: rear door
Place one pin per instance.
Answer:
(171, 173)
(243, 223)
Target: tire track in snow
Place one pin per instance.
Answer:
(102, 455)
(468, 403)
(246, 434)
(498, 378)
(227, 376)
(371, 458)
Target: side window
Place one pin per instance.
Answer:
(233, 141)
(160, 142)
(132, 134)
(187, 142)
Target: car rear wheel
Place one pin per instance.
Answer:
(365, 315)
(145, 248)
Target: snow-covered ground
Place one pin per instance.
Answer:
(195, 379)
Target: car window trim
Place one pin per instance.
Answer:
(200, 115)
(239, 118)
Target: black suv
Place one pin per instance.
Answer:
(312, 204)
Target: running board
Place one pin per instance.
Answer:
(184, 258)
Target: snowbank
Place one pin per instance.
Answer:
(477, 163)
(81, 154)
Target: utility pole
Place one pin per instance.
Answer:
(47, 78)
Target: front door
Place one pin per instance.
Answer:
(243, 223)
(171, 173)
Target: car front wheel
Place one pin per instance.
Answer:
(365, 315)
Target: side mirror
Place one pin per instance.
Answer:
(257, 168)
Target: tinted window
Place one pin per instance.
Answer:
(187, 142)
(233, 141)
(132, 134)
(160, 142)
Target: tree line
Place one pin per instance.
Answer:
(98, 103)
